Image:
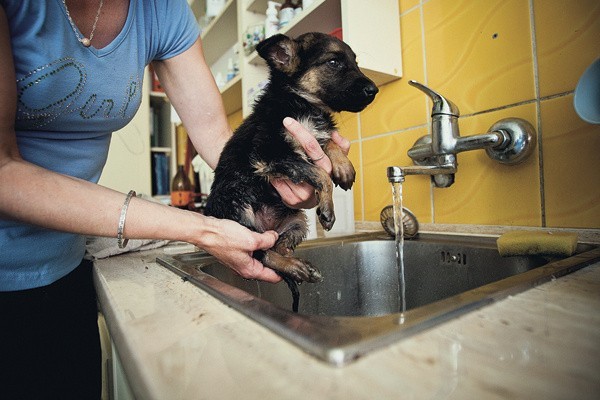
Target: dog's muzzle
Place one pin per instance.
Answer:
(364, 93)
(369, 91)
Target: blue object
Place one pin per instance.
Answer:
(587, 94)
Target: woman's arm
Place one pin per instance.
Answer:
(78, 206)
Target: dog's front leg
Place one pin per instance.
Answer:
(343, 173)
(324, 192)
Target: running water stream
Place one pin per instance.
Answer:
(399, 233)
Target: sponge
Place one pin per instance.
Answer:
(521, 243)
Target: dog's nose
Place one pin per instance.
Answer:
(370, 90)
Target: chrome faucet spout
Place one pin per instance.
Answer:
(442, 175)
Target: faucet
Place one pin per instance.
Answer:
(509, 141)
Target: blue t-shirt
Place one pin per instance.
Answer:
(70, 100)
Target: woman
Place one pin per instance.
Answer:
(78, 66)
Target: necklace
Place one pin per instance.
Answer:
(84, 41)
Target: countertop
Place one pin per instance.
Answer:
(178, 342)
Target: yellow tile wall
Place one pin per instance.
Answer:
(493, 59)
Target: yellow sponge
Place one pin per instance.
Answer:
(521, 243)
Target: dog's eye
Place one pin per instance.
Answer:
(333, 63)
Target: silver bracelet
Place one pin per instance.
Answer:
(122, 242)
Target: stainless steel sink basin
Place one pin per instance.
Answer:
(357, 306)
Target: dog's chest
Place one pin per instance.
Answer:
(319, 128)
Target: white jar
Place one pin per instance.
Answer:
(343, 201)
(285, 16)
(214, 7)
(271, 22)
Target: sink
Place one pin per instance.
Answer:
(356, 308)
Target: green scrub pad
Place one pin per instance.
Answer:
(522, 243)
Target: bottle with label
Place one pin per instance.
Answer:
(286, 13)
(272, 22)
(181, 190)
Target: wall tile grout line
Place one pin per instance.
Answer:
(536, 81)
(426, 125)
(390, 133)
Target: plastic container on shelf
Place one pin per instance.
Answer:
(286, 13)
(214, 7)
(271, 22)
(230, 70)
(254, 35)
(343, 201)
(307, 3)
(297, 6)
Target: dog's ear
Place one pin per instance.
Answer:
(281, 53)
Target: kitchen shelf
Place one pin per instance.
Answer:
(221, 33)
(232, 95)
(157, 149)
(162, 141)
(259, 6)
(358, 20)
(310, 20)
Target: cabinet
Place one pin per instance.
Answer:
(162, 143)
(219, 37)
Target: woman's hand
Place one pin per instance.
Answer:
(233, 244)
(303, 195)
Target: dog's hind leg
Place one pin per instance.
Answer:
(292, 230)
(297, 269)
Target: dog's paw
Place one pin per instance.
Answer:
(343, 175)
(326, 216)
(303, 271)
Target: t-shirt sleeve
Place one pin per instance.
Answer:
(176, 28)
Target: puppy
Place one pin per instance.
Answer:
(310, 77)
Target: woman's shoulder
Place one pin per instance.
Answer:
(172, 26)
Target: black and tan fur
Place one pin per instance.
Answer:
(310, 77)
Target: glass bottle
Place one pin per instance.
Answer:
(181, 189)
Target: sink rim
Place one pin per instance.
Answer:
(339, 340)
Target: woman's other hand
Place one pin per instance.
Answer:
(303, 195)
(233, 244)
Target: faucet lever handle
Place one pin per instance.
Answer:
(441, 105)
